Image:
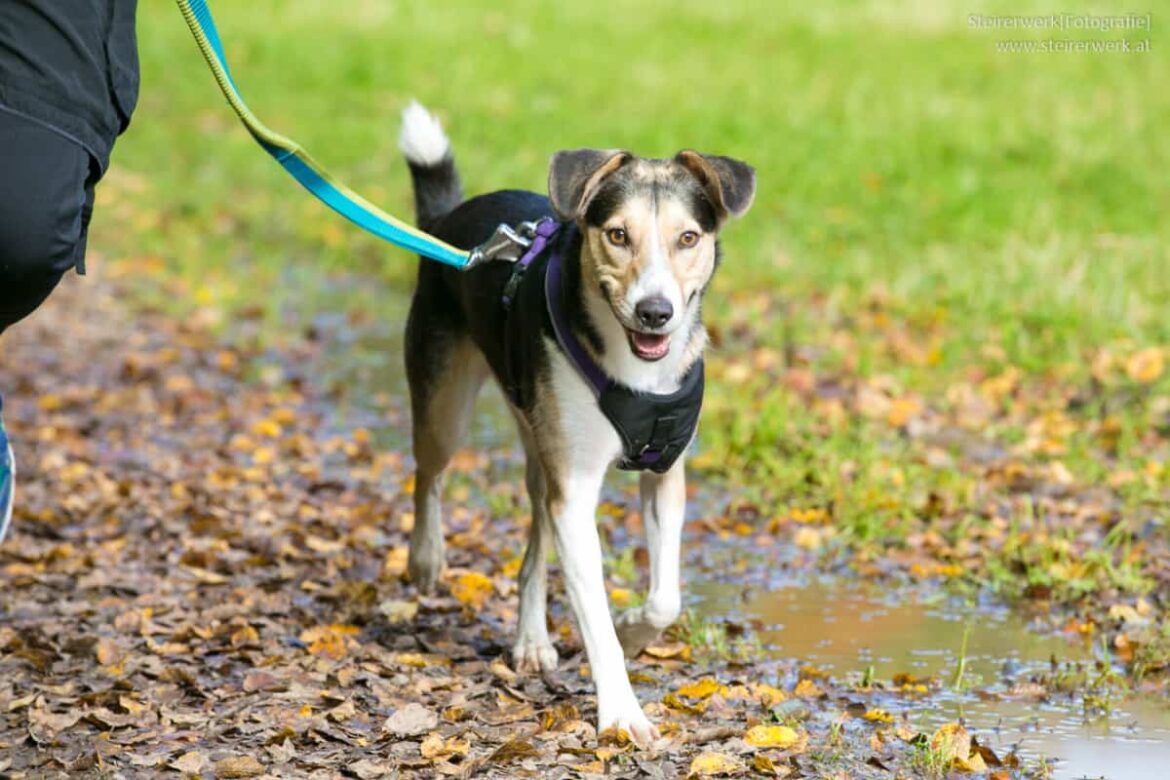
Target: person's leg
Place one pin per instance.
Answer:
(46, 197)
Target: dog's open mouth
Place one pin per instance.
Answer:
(649, 346)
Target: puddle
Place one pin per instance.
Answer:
(844, 628)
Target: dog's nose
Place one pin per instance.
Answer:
(654, 312)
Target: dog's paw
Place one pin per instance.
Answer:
(534, 656)
(635, 631)
(424, 570)
(632, 720)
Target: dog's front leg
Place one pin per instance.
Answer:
(664, 498)
(572, 505)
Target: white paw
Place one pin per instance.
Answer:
(534, 656)
(630, 719)
(424, 566)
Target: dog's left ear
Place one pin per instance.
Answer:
(729, 183)
(573, 178)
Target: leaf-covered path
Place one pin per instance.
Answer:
(205, 581)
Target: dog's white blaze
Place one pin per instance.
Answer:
(422, 139)
(657, 278)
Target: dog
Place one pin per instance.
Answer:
(597, 344)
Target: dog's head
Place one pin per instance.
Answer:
(650, 233)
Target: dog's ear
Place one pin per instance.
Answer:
(729, 183)
(574, 175)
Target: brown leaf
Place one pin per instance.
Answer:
(108, 652)
(190, 763)
(238, 766)
(513, 750)
(370, 769)
(410, 721)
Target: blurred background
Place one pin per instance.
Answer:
(900, 155)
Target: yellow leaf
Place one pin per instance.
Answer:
(472, 588)
(877, 715)
(675, 703)
(431, 746)
(808, 539)
(807, 689)
(771, 736)
(620, 597)
(768, 694)
(665, 652)
(332, 640)
(416, 660)
(1146, 366)
(712, 764)
(973, 763)
(700, 689)
(764, 765)
(951, 741)
(395, 563)
(266, 427)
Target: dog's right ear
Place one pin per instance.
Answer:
(573, 178)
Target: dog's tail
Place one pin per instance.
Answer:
(432, 167)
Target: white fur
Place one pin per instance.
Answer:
(657, 280)
(618, 360)
(422, 139)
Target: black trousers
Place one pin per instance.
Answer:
(46, 199)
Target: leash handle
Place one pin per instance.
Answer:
(302, 167)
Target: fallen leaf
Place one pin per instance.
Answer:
(771, 736)
(370, 769)
(700, 689)
(472, 588)
(513, 750)
(712, 764)
(951, 741)
(238, 766)
(1146, 365)
(190, 763)
(410, 721)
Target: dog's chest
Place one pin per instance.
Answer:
(588, 437)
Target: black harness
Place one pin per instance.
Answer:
(655, 429)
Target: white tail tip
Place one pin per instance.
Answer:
(422, 139)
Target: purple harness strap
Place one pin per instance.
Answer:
(555, 300)
(545, 230)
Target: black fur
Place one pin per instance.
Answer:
(450, 305)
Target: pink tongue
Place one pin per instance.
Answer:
(652, 344)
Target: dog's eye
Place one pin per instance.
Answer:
(617, 236)
(688, 239)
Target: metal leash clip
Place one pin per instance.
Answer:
(507, 243)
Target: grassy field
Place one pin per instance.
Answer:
(943, 317)
(899, 153)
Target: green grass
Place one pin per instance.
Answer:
(899, 153)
